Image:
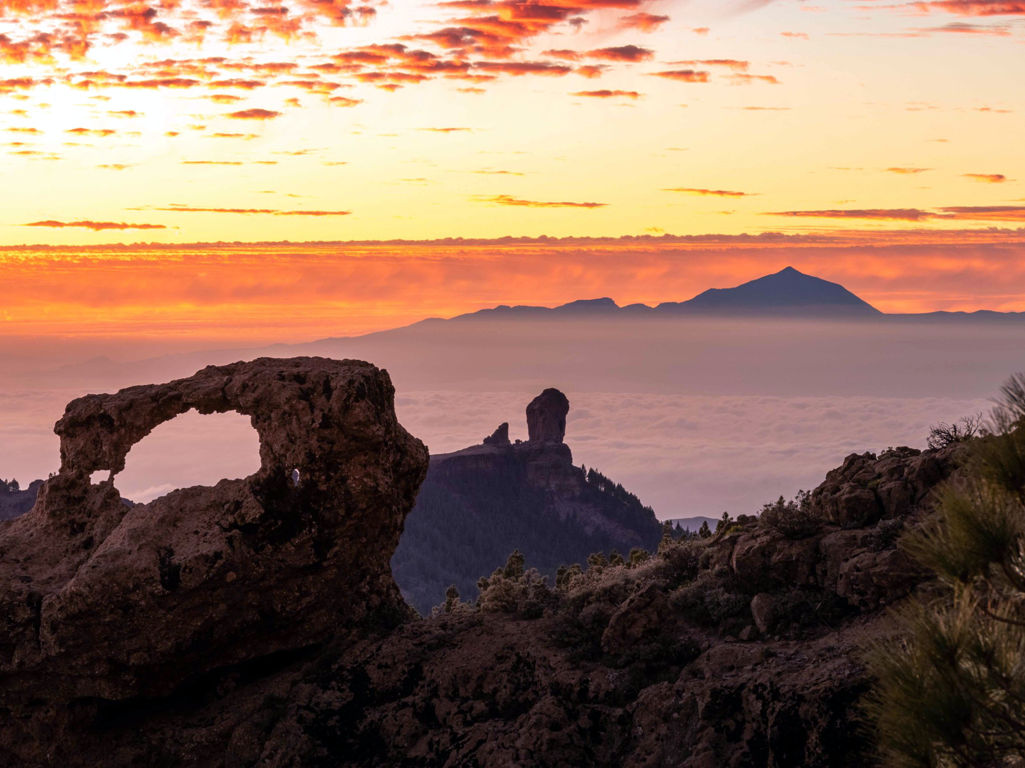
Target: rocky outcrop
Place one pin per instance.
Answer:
(112, 602)
(479, 504)
(251, 624)
(546, 417)
(15, 501)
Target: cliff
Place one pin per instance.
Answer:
(479, 504)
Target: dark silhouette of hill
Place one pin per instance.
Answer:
(479, 504)
(785, 292)
(14, 501)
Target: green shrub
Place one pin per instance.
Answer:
(794, 519)
(950, 690)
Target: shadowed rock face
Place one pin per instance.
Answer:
(115, 602)
(546, 417)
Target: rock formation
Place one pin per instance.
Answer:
(479, 504)
(546, 417)
(116, 602)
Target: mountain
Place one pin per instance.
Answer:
(479, 504)
(785, 292)
(14, 501)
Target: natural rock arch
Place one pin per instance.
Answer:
(117, 601)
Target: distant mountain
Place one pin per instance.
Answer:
(479, 504)
(693, 524)
(785, 292)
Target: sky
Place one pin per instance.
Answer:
(177, 121)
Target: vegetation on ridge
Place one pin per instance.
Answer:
(950, 692)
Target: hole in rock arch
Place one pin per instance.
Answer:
(190, 449)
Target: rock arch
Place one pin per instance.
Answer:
(119, 601)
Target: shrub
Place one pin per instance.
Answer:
(943, 434)
(951, 690)
(794, 519)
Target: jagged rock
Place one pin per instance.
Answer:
(546, 417)
(107, 601)
(500, 436)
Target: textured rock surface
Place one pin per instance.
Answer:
(118, 602)
(546, 417)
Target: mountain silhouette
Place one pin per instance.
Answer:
(785, 292)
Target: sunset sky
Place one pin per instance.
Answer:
(884, 137)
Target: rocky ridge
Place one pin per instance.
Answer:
(478, 504)
(737, 650)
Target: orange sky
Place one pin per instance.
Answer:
(889, 132)
(295, 292)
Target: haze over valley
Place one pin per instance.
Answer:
(696, 414)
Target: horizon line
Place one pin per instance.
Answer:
(769, 235)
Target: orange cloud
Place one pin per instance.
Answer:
(972, 7)
(886, 214)
(737, 65)
(629, 53)
(986, 212)
(259, 211)
(906, 171)
(989, 178)
(607, 94)
(684, 75)
(645, 22)
(514, 201)
(96, 226)
(253, 114)
(708, 192)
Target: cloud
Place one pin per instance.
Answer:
(96, 226)
(972, 7)
(708, 192)
(446, 130)
(885, 214)
(508, 200)
(684, 75)
(645, 22)
(989, 178)
(607, 94)
(737, 65)
(906, 171)
(1010, 213)
(253, 114)
(985, 212)
(259, 211)
(629, 53)
(742, 78)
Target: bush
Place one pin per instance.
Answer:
(943, 434)
(511, 589)
(794, 519)
(951, 690)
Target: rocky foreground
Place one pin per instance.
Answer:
(256, 623)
